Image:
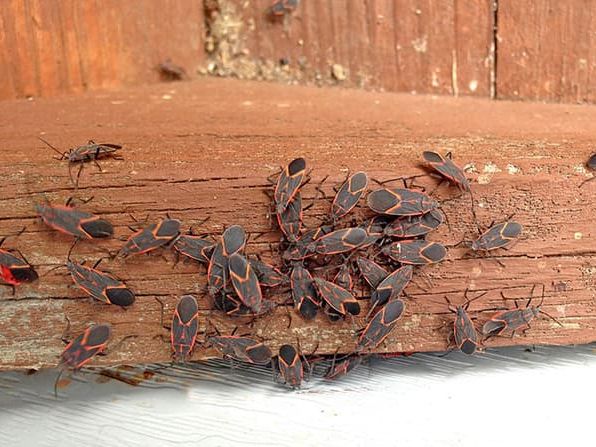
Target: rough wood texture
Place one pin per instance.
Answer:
(406, 45)
(205, 150)
(55, 47)
(546, 50)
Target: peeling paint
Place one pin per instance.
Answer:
(512, 169)
(420, 44)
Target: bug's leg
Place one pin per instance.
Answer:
(65, 331)
(587, 180)
(12, 287)
(56, 383)
(118, 345)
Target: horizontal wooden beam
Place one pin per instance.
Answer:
(204, 149)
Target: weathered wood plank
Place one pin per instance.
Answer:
(546, 50)
(207, 151)
(55, 47)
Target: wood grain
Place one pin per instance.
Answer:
(56, 47)
(546, 50)
(204, 149)
(416, 46)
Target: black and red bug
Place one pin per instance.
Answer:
(169, 71)
(304, 292)
(288, 366)
(400, 202)
(414, 226)
(83, 348)
(242, 348)
(340, 300)
(290, 219)
(151, 237)
(415, 252)
(343, 366)
(268, 275)
(71, 221)
(233, 307)
(233, 240)
(464, 333)
(303, 247)
(194, 247)
(375, 229)
(343, 278)
(349, 194)
(448, 169)
(100, 285)
(381, 325)
(591, 165)
(185, 326)
(498, 236)
(392, 286)
(280, 8)
(289, 182)
(245, 282)
(15, 270)
(89, 152)
(339, 241)
(513, 320)
(372, 272)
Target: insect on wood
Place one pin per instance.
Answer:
(89, 152)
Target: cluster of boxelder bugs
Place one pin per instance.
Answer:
(317, 271)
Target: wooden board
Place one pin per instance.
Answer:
(55, 47)
(204, 149)
(406, 45)
(546, 50)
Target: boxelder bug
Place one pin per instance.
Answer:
(194, 247)
(339, 241)
(303, 247)
(268, 275)
(233, 307)
(290, 219)
(83, 348)
(498, 236)
(343, 366)
(448, 169)
(280, 8)
(151, 237)
(304, 293)
(71, 221)
(245, 282)
(513, 320)
(99, 285)
(372, 272)
(391, 287)
(416, 252)
(169, 71)
(400, 202)
(15, 270)
(232, 241)
(591, 164)
(415, 226)
(288, 366)
(185, 326)
(288, 183)
(464, 333)
(381, 325)
(343, 277)
(338, 298)
(375, 229)
(89, 152)
(348, 195)
(241, 348)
